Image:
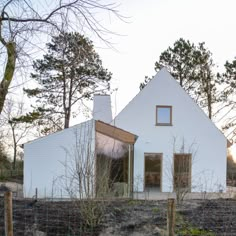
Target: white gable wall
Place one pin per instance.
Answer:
(45, 159)
(189, 124)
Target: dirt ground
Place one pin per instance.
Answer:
(122, 217)
(216, 216)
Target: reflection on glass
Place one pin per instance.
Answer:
(111, 163)
(182, 171)
(163, 115)
(152, 170)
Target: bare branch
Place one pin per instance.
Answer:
(3, 10)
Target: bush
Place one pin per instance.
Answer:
(4, 160)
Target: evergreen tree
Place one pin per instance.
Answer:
(206, 90)
(192, 67)
(228, 79)
(23, 21)
(70, 72)
(229, 76)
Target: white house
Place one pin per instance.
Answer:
(79, 161)
(160, 141)
(169, 123)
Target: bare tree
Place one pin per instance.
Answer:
(94, 170)
(87, 171)
(18, 130)
(23, 23)
(180, 173)
(80, 180)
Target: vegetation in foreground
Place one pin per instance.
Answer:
(124, 217)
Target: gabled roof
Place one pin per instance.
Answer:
(164, 70)
(100, 127)
(162, 75)
(57, 132)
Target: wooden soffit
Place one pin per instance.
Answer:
(229, 144)
(115, 132)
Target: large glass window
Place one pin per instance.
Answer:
(153, 171)
(112, 166)
(182, 171)
(163, 115)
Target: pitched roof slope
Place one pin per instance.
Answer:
(170, 85)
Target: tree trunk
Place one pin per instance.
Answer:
(209, 95)
(209, 106)
(14, 156)
(181, 80)
(14, 146)
(9, 72)
(67, 119)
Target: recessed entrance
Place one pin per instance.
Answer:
(153, 171)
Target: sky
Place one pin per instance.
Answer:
(153, 26)
(150, 27)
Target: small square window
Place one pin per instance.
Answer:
(164, 115)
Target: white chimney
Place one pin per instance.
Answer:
(102, 108)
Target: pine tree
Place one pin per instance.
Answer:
(192, 66)
(228, 80)
(70, 72)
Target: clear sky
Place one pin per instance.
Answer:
(153, 26)
(156, 24)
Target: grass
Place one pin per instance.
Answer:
(133, 202)
(194, 231)
(186, 229)
(155, 210)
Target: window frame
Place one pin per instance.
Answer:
(161, 167)
(163, 124)
(189, 155)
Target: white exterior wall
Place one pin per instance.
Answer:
(189, 124)
(102, 108)
(45, 159)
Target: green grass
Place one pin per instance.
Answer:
(194, 231)
(186, 229)
(155, 210)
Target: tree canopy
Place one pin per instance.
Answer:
(192, 66)
(26, 23)
(69, 72)
(228, 79)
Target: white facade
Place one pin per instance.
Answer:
(191, 128)
(102, 108)
(49, 161)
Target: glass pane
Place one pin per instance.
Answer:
(163, 115)
(111, 164)
(182, 165)
(152, 170)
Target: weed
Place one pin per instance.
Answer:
(187, 229)
(134, 202)
(194, 231)
(155, 210)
